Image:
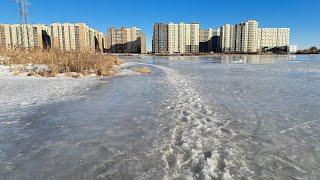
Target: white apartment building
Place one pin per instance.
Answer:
(174, 37)
(183, 38)
(246, 37)
(60, 36)
(209, 40)
(226, 38)
(283, 38)
(206, 35)
(194, 37)
(252, 45)
(274, 37)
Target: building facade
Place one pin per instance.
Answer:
(226, 38)
(126, 40)
(160, 38)
(68, 37)
(209, 40)
(5, 38)
(274, 37)
(176, 38)
(247, 37)
(76, 37)
(26, 36)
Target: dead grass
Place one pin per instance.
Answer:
(142, 69)
(63, 62)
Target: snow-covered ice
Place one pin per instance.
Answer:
(21, 92)
(191, 118)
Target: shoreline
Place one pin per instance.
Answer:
(208, 55)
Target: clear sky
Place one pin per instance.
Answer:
(302, 16)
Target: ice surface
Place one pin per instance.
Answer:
(21, 92)
(191, 118)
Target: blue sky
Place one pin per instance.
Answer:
(302, 16)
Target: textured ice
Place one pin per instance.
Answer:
(191, 118)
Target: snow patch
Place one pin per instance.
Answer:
(5, 71)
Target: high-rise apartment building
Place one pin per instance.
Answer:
(76, 37)
(69, 37)
(226, 38)
(173, 38)
(274, 37)
(176, 38)
(252, 37)
(160, 38)
(5, 39)
(126, 40)
(28, 36)
(283, 38)
(246, 37)
(194, 37)
(209, 40)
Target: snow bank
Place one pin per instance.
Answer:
(5, 71)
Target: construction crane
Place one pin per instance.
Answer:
(24, 15)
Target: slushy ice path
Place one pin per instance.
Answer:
(196, 118)
(195, 148)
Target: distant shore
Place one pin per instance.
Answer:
(209, 54)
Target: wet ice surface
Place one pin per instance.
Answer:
(216, 117)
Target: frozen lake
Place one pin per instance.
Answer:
(220, 117)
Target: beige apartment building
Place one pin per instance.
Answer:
(194, 38)
(181, 38)
(176, 38)
(27, 36)
(247, 37)
(274, 37)
(5, 39)
(126, 40)
(209, 40)
(68, 37)
(226, 37)
(76, 37)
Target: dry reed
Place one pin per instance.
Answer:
(60, 61)
(142, 69)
